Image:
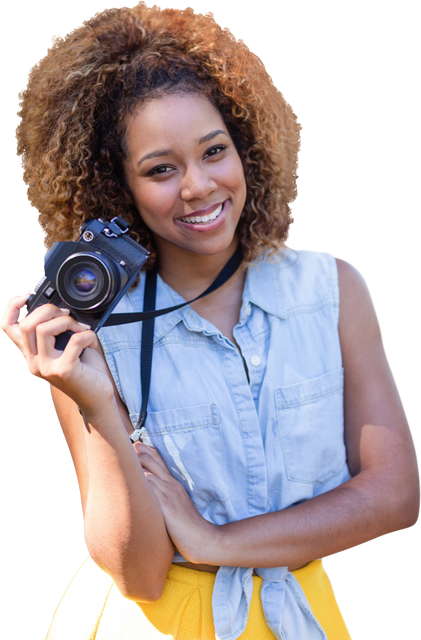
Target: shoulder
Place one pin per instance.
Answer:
(352, 286)
(302, 281)
(313, 268)
(322, 279)
(350, 279)
(299, 259)
(358, 323)
(310, 281)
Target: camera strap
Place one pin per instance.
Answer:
(148, 315)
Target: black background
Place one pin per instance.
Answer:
(348, 82)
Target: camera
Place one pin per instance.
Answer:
(89, 276)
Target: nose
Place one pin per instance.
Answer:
(196, 184)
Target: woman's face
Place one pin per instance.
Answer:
(185, 174)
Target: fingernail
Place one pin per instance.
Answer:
(64, 310)
(25, 294)
(84, 326)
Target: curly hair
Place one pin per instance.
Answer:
(73, 114)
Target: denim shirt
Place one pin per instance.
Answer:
(244, 443)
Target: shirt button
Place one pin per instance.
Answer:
(248, 309)
(255, 361)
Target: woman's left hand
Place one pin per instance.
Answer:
(189, 531)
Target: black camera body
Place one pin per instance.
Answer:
(90, 276)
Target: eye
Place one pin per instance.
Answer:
(219, 146)
(156, 170)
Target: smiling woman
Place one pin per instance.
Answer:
(201, 187)
(120, 74)
(274, 435)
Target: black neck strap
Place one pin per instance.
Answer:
(224, 275)
(148, 315)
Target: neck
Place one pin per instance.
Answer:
(190, 273)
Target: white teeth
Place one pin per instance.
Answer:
(202, 219)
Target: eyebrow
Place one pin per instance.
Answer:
(160, 153)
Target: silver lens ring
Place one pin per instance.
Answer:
(102, 278)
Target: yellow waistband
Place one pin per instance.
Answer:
(186, 575)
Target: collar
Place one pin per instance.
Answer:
(262, 288)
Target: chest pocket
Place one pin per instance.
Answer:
(189, 440)
(310, 419)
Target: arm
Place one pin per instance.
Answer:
(124, 526)
(382, 495)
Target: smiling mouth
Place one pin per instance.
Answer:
(203, 219)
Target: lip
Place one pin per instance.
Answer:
(208, 226)
(203, 212)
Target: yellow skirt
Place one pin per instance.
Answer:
(93, 609)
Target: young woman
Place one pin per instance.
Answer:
(275, 435)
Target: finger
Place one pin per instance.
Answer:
(158, 484)
(14, 306)
(30, 323)
(86, 339)
(66, 365)
(10, 324)
(147, 454)
(158, 494)
(145, 449)
(18, 299)
(153, 464)
(49, 362)
(46, 333)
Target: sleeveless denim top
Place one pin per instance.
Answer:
(246, 445)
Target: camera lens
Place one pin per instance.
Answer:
(87, 281)
(84, 281)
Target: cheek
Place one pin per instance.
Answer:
(154, 201)
(237, 175)
(238, 181)
(231, 175)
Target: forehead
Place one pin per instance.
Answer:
(171, 120)
(181, 108)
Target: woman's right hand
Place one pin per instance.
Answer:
(82, 375)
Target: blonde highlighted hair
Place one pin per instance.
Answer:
(73, 113)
